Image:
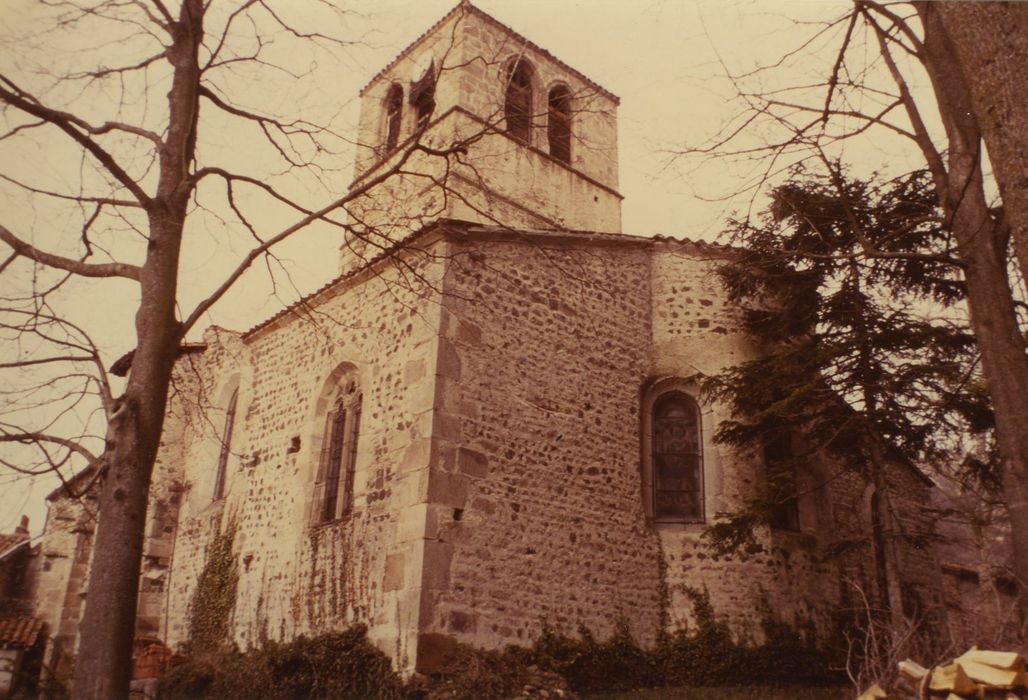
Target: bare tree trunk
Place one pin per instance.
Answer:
(991, 43)
(982, 244)
(104, 665)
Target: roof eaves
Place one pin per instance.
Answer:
(464, 228)
(20, 632)
(464, 5)
(397, 247)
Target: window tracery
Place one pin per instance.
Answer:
(334, 487)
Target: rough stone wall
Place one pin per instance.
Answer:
(537, 514)
(294, 576)
(796, 573)
(63, 562)
(66, 547)
(536, 497)
(696, 333)
(501, 179)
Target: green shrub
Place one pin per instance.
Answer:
(338, 665)
(473, 674)
(345, 665)
(705, 655)
(590, 666)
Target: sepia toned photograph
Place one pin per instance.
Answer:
(513, 349)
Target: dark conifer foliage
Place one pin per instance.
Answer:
(849, 288)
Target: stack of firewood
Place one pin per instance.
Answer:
(975, 674)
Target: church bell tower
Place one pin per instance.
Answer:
(473, 121)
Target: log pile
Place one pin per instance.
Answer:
(975, 674)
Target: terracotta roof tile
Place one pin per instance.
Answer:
(19, 632)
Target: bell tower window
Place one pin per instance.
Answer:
(558, 123)
(394, 116)
(422, 95)
(517, 105)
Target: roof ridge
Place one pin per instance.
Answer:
(467, 5)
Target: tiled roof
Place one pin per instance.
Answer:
(464, 5)
(19, 632)
(9, 543)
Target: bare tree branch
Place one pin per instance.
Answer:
(114, 269)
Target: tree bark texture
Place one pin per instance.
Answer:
(991, 43)
(104, 664)
(982, 249)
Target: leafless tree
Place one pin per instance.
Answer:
(157, 125)
(875, 57)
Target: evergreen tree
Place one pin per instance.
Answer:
(867, 356)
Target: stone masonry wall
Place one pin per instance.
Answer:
(794, 577)
(499, 471)
(63, 569)
(696, 334)
(537, 510)
(296, 577)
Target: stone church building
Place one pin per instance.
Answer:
(490, 419)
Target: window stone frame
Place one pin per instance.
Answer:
(333, 388)
(708, 456)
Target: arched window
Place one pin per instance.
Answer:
(422, 97)
(339, 455)
(517, 104)
(676, 459)
(226, 445)
(558, 123)
(394, 116)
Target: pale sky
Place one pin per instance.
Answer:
(661, 57)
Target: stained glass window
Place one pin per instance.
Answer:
(677, 459)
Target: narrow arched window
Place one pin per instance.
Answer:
(339, 455)
(394, 116)
(676, 459)
(558, 123)
(517, 104)
(226, 446)
(422, 97)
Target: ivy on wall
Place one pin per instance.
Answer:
(214, 599)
